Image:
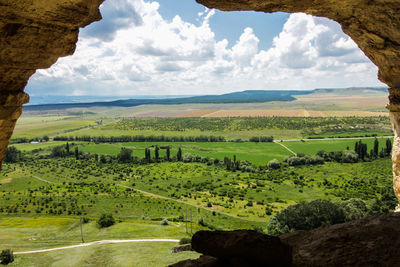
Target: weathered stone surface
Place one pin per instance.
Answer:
(243, 247)
(185, 247)
(35, 33)
(373, 24)
(202, 261)
(372, 241)
(394, 108)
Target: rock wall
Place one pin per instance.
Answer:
(372, 241)
(33, 35)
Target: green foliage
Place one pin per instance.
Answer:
(179, 155)
(354, 209)
(6, 257)
(59, 151)
(310, 215)
(105, 220)
(261, 139)
(274, 164)
(327, 124)
(302, 159)
(13, 155)
(125, 155)
(164, 222)
(307, 216)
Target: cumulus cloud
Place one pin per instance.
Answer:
(133, 50)
(117, 14)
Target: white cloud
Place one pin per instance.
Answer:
(135, 51)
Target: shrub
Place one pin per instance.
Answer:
(185, 240)
(13, 155)
(307, 216)
(354, 209)
(106, 220)
(164, 222)
(6, 256)
(274, 164)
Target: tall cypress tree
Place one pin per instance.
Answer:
(168, 153)
(376, 147)
(388, 146)
(157, 153)
(76, 153)
(179, 155)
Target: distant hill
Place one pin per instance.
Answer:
(351, 90)
(249, 96)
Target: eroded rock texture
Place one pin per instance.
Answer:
(33, 35)
(373, 24)
(373, 241)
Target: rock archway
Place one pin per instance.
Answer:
(35, 33)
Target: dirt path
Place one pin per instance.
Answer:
(285, 147)
(44, 180)
(101, 242)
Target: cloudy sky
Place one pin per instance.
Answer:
(144, 47)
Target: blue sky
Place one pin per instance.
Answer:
(179, 47)
(228, 25)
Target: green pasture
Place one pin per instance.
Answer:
(257, 153)
(23, 233)
(311, 147)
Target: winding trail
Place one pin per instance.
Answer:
(44, 180)
(101, 242)
(285, 147)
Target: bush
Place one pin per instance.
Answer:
(13, 155)
(307, 216)
(185, 240)
(106, 220)
(273, 164)
(354, 209)
(6, 256)
(125, 155)
(164, 222)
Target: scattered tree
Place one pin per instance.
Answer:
(13, 155)
(179, 155)
(6, 256)
(125, 155)
(106, 220)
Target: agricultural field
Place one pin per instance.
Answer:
(225, 184)
(255, 153)
(278, 113)
(31, 127)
